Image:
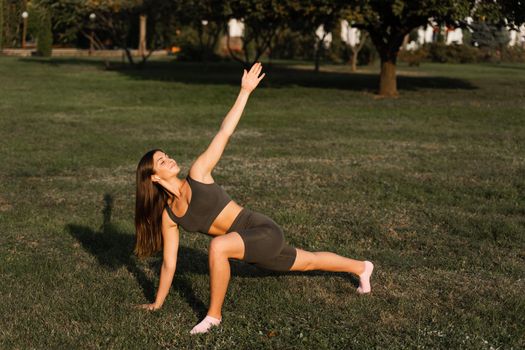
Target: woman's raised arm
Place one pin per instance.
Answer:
(203, 166)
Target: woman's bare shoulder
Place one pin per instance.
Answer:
(200, 175)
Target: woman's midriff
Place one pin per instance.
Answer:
(225, 219)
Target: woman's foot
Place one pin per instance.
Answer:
(205, 325)
(364, 279)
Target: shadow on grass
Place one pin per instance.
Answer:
(113, 249)
(279, 75)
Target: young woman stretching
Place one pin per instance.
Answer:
(197, 203)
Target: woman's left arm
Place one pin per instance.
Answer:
(203, 166)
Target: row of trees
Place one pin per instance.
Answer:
(387, 22)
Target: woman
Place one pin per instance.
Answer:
(197, 203)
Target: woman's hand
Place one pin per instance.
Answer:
(251, 79)
(149, 307)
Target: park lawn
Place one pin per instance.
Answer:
(429, 186)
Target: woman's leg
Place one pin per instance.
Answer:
(326, 261)
(221, 248)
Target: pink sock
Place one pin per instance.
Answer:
(205, 325)
(364, 278)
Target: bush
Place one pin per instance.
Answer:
(455, 53)
(513, 54)
(45, 36)
(413, 57)
(1, 24)
(39, 26)
(190, 48)
(489, 36)
(441, 53)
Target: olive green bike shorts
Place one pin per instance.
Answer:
(264, 244)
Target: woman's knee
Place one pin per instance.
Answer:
(226, 246)
(305, 261)
(217, 247)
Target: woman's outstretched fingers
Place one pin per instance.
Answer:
(149, 307)
(251, 79)
(257, 67)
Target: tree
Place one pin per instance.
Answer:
(208, 18)
(262, 19)
(491, 20)
(162, 23)
(40, 27)
(12, 10)
(292, 44)
(311, 15)
(115, 20)
(1, 24)
(354, 47)
(500, 12)
(489, 36)
(387, 23)
(44, 35)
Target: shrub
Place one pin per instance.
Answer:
(441, 53)
(45, 36)
(513, 54)
(455, 53)
(489, 36)
(191, 49)
(1, 24)
(413, 57)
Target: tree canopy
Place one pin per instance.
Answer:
(387, 22)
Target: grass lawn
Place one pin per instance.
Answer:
(429, 186)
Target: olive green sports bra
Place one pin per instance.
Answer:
(207, 201)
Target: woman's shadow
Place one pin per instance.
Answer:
(113, 249)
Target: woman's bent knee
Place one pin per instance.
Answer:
(228, 245)
(216, 247)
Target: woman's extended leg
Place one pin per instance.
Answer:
(221, 248)
(327, 261)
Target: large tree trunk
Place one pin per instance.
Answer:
(388, 50)
(387, 80)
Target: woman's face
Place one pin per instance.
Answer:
(164, 167)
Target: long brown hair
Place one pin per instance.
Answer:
(149, 203)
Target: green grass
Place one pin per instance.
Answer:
(429, 186)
